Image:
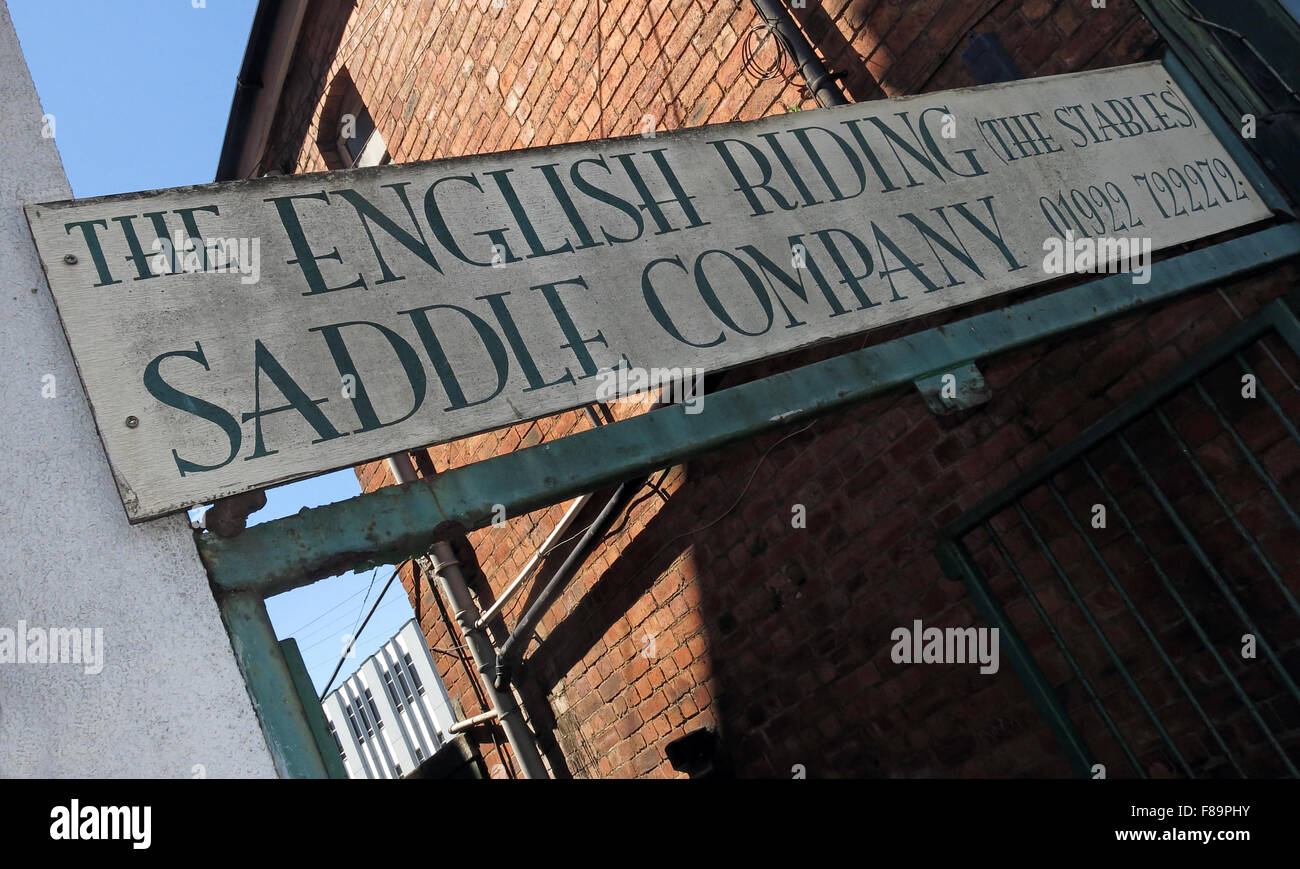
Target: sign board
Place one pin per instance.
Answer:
(236, 335)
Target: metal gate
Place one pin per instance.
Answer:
(1145, 578)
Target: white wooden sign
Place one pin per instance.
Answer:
(232, 336)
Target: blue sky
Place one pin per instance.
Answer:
(140, 93)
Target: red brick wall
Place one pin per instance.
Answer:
(775, 636)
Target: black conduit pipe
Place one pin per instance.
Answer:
(820, 81)
(512, 650)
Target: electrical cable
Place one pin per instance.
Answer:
(627, 512)
(329, 637)
(355, 634)
(300, 628)
(739, 498)
(749, 53)
(373, 574)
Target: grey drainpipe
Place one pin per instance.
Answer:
(451, 583)
(820, 81)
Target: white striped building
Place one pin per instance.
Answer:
(392, 713)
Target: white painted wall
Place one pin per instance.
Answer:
(170, 696)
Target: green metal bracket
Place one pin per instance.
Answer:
(396, 523)
(311, 705)
(959, 388)
(271, 685)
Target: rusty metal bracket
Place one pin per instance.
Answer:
(959, 388)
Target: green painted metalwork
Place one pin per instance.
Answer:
(271, 686)
(1195, 44)
(311, 705)
(1228, 136)
(394, 523)
(1195, 57)
(1278, 319)
(957, 563)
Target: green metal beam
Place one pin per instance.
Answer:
(395, 523)
(270, 681)
(1222, 94)
(312, 709)
(1229, 136)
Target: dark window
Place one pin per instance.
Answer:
(347, 135)
(361, 713)
(356, 143)
(352, 722)
(392, 691)
(415, 677)
(406, 687)
(374, 710)
(337, 744)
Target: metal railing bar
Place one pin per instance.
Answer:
(1209, 566)
(1065, 649)
(1277, 363)
(1249, 455)
(1146, 628)
(1283, 312)
(1101, 635)
(957, 562)
(1232, 516)
(1221, 349)
(1263, 343)
(1191, 618)
(1268, 397)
